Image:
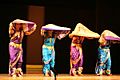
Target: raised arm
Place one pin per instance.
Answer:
(31, 30)
(61, 35)
(42, 32)
(11, 29)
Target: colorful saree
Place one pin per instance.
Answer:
(15, 45)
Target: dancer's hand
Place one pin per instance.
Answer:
(75, 61)
(46, 62)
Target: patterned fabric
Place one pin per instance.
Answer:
(75, 53)
(17, 29)
(103, 65)
(15, 58)
(104, 60)
(81, 30)
(48, 54)
(50, 32)
(74, 56)
(15, 51)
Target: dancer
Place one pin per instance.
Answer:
(17, 29)
(103, 65)
(76, 54)
(50, 33)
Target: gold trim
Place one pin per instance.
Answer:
(15, 45)
(49, 47)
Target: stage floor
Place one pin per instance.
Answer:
(60, 77)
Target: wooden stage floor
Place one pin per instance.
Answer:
(60, 77)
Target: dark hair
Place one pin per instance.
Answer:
(21, 28)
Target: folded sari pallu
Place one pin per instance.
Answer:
(54, 27)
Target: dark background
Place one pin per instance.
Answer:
(96, 15)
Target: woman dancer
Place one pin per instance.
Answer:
(103, 65)
(17, 29)
(76, 53)
(50, 33)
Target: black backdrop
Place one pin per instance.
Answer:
(96, 15)
(9, 13)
